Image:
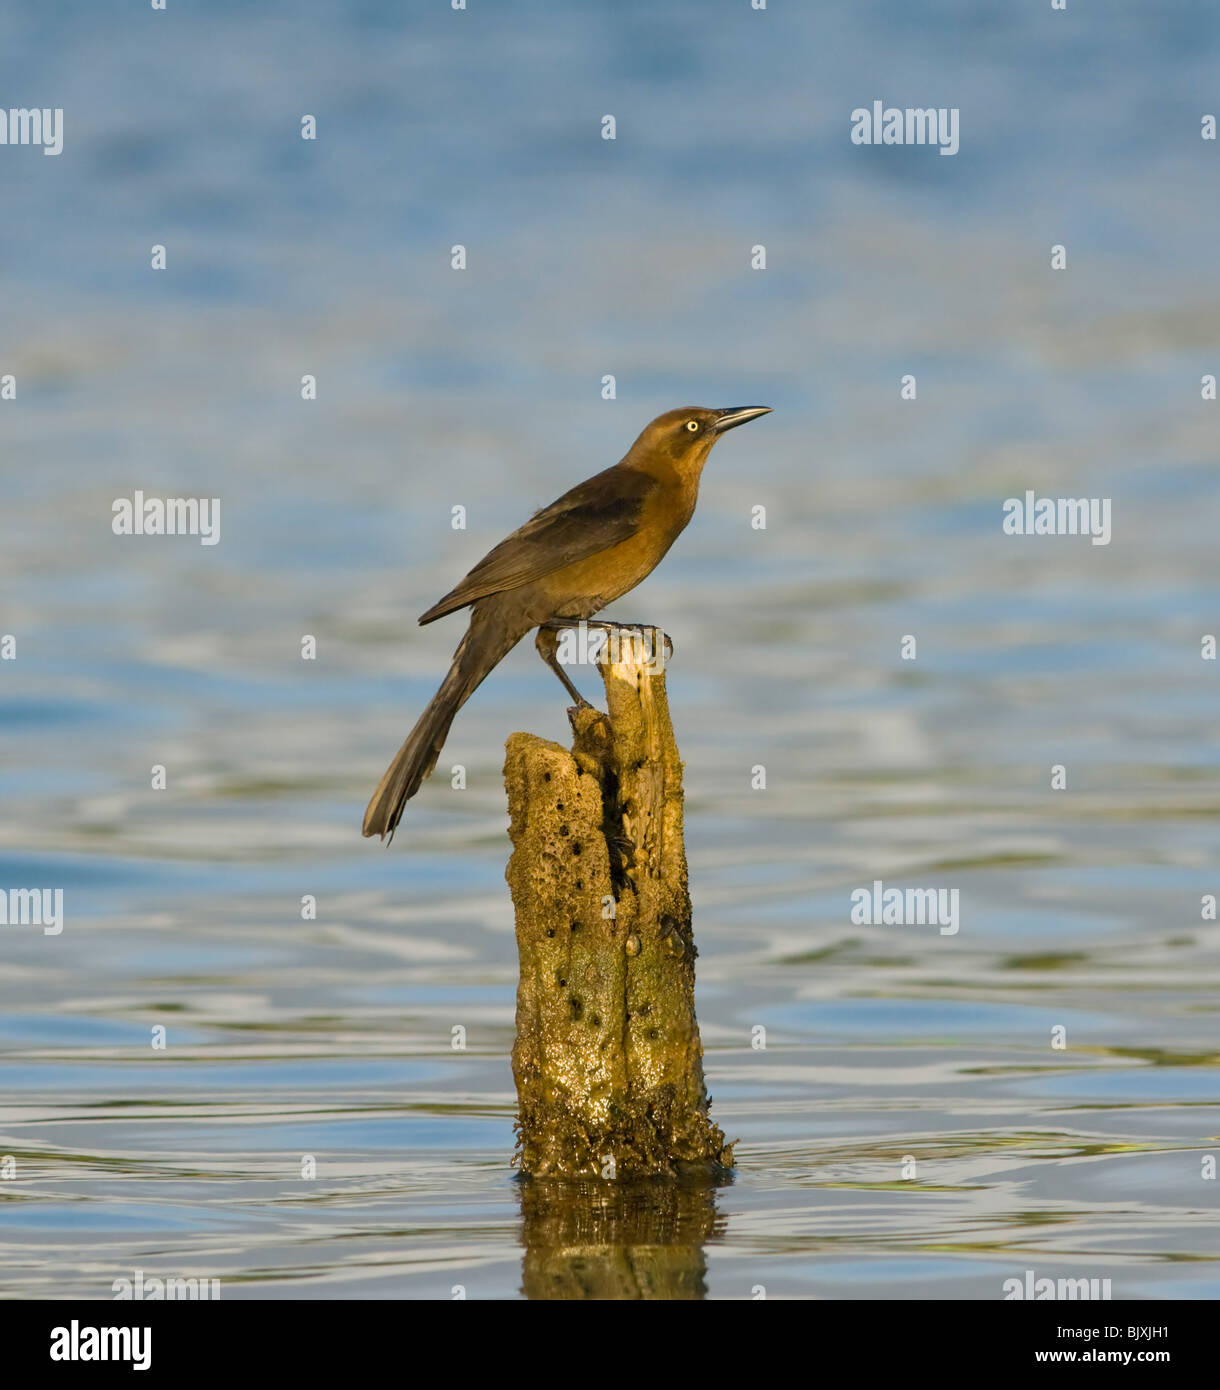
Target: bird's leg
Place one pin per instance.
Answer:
(547, 643)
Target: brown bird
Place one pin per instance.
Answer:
(567, 562)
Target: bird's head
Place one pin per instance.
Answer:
(685, 437)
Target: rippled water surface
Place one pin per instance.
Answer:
(1080, 909)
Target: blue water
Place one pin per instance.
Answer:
(289, 1039)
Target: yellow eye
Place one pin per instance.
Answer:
(692, 425)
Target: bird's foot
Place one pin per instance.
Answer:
(647, 635)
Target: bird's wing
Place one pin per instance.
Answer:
(593, 516)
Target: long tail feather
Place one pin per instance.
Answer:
(484, 645)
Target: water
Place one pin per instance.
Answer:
(331, 1038)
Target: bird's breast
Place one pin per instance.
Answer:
(588, 585)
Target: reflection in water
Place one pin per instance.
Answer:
(607, 1240)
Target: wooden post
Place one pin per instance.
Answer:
(607, 1059)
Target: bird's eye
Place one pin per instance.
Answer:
(692, 425)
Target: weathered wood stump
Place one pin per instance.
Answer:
(607, 1060)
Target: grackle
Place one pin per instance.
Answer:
(567, 562)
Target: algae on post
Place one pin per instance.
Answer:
(607, 1059)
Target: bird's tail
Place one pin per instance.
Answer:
(484, 645)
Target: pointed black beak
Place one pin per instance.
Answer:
(738, 415)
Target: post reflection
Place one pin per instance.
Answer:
(610, 1240)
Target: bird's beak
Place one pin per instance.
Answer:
(738, 415)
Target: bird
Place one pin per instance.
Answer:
(589, 547)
